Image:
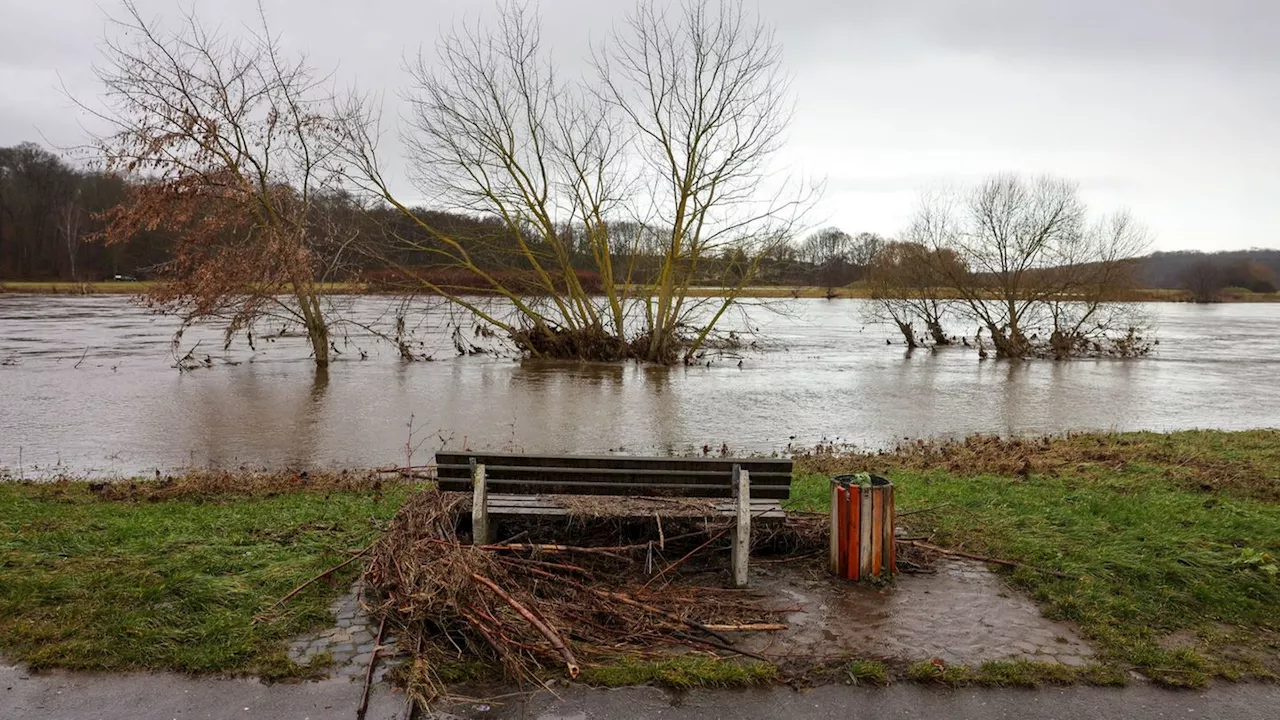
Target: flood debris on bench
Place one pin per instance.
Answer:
(744, 489)
(536, 606)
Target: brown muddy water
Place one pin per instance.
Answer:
(87, 385)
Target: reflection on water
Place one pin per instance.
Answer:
(825, 376)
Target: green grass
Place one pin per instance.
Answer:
(866, 672)
(681, 672)
(1014, 673)
(1164, 537)
(93, 584)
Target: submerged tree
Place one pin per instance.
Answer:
(1033, 270)
(904, 290)
(652, 175)
(230, 144)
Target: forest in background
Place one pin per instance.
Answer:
(51, 214)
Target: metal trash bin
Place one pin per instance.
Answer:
(862, 520)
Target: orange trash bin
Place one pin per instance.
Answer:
(862, 527)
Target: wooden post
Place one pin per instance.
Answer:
(867, 517)
(853, 533)
(841, 516)
(742, 531)
(837, 495)
(480, 534)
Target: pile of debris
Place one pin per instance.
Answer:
(532, 606)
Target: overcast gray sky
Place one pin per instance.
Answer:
(1170, 108)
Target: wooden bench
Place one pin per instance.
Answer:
(503, 484)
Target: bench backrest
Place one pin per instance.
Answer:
(613, 475)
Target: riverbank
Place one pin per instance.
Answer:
(856, 291)
(1168, 541)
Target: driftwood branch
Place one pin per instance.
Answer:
(626, 600)
(550, 634)
(922, 510)
(681, 561)
(749, 627)
(368, 674)
(983, 558)
(322, 576)
(723, 646)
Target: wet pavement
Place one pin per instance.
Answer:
(900, 701)
(170, 696)
(165, 696)
(962, 613)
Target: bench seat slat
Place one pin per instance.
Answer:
(527, 510)
(571, 487)
(626, 462)
(507, 504)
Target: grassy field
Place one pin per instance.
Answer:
(173, 580)
(1173, 538)
(1170, 540)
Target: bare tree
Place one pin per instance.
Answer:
(647, 174)
(903, 281)
(230, 143)
(69, 216)
(1033, 271)
(864, 248)
(829, 252)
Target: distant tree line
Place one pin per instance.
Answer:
(53, 219)
(1208, 277)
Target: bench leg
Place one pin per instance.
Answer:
(742, 530)
(480, 531)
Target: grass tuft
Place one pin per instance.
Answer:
(867, 672)
(681, 672)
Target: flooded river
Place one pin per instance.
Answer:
(88, 384)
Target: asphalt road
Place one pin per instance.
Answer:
(906, 701)
(65, 696)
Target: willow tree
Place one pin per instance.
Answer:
(228, 142)
(1033, 269)
(646, 173)
(904, 280)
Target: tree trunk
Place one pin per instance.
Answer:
(935, 330)
(1008, 344)
(318, 333)
(317, 328)
(908, 334)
